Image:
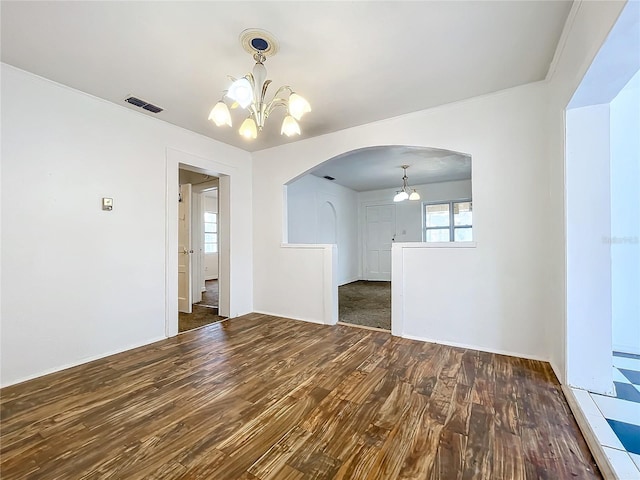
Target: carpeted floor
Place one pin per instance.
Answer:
(204, 312)
(365, 303)
(210, 296)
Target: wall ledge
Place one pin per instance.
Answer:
(435, 244)
(313, 246)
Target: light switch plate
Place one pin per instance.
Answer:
(107, 203)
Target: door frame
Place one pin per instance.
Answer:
(176, 159)
(185, 199)
(197, 236)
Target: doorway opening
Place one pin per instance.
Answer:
(352, 201)
(198, 250)
(602, 164)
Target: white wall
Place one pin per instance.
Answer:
(79, 282)
(409, 213)
(211, 259)
(307, 199)
(625, 217)
(311, 204)
(585, 31)
(588, 214)
(506, 134)
(79, 149)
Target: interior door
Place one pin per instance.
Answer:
(185, 294)
(379, 231)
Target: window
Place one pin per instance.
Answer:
(210, 232)
(448, 222)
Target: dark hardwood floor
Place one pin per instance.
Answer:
(260, 397)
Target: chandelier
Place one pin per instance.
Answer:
(402, 194)
(249, 92)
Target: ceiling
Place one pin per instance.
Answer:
(377, 168)
(615, 64)
(356, 62)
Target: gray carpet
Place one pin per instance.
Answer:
(210, 295)
(204, 312)
(365, 303)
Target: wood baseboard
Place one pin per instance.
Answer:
(589, 435)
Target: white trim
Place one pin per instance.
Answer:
(84, 360)
(330, 281)
(173, 159)
(171, 245)
(476, 347)
(607, 470)
(556, 371)
(261, 312)
(311, 246)
(564, 355)
(285, 214)
(566, 30)
(397, 290)
(350, 280)
(436, 244)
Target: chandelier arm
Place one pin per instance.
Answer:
(276, 102)
(252, 81)
(283, 88)
(264, 89)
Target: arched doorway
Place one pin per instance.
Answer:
(351, 201)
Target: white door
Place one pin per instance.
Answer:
(380, 227)
(185, 298)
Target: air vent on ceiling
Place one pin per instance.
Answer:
(329, 178)
(143, 104)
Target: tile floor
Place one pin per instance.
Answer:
(616, 420)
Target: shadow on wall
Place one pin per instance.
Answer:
(349, 201)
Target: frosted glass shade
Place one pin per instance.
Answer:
(220, 114)
(414, 196)
(241, 92)
(401, 196)
(290, 127)
(298, 106)
(248, 129)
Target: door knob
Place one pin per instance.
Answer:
(186, 252)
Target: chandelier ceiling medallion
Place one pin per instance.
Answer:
(249, 92)
(402, 194)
